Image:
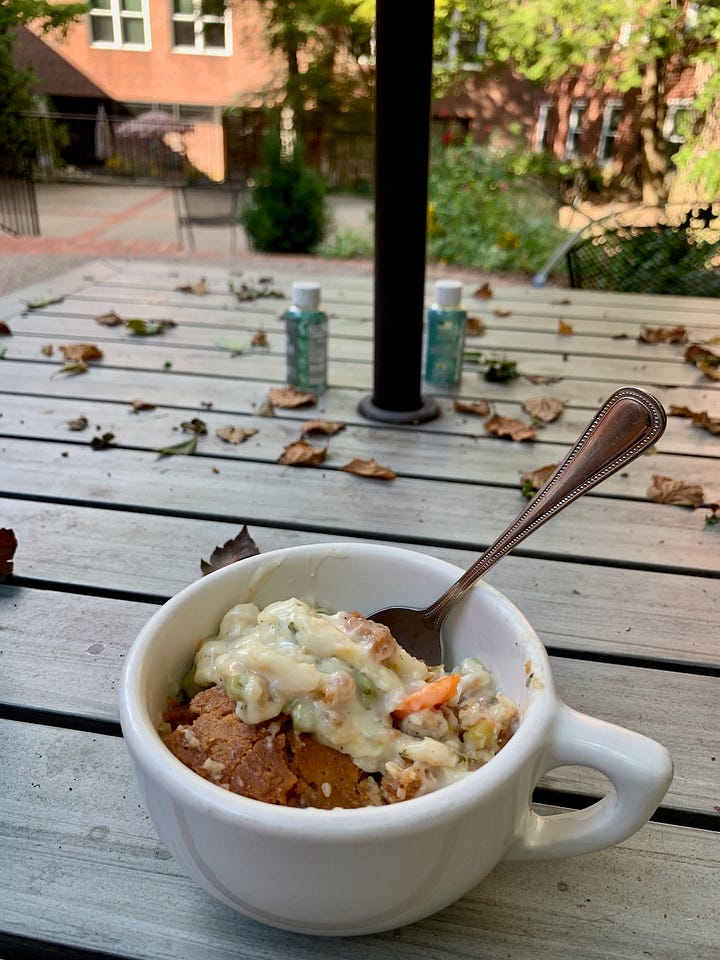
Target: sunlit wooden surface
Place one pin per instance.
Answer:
(623, 591)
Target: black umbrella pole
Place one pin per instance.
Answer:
(402, 145)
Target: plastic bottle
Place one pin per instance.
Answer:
(445, 335)
(306, 338)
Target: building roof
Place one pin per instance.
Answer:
(54, 76)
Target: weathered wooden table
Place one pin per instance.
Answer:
(623, 591)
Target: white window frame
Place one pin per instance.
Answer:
(674, 107)
(541, 125)
(606, 143)
(575, 129)
(116, 15)
(198, 18)
(455, 38)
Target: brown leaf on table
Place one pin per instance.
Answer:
(564, 329)
(48, 350)
(663, 335)
(139, 405)
(502, 313)
(480, 408)
(78, 423)
(509, 427)
(474, 327)
(235, 435)
(700, 418)
(199, 287)
(541, 379)
(5, 330)
(546, 409)
(74, 367)
(8, 546)
(535, 479)
(259, 339)
(676, 492)
(239, 548)
(266, 409)
(81, 351)
(287, 398)
(148, 328)
(704, 359)
(196, 426)
(484, 291)
(302, 454)
(325, 427)
(110, 319)
(369, 468)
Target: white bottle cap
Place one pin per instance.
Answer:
(306, 295)
(448, 293)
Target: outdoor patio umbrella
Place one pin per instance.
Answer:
(403, 80)
(103, 135)
(152, 125)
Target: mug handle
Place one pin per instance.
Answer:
(639, 769)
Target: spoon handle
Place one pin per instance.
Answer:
(626, 425)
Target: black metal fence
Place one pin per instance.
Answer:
(18, 204)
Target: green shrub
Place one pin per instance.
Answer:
(491, 209)
(286, 212)
(348, 245)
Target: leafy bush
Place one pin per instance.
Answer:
(490, 209)
(286, 212)
(348, 245)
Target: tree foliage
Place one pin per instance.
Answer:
(17, 136)
(627, 44)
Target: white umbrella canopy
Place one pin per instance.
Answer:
(103, 135)
(152, 125)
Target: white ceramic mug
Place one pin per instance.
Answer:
(341, 872)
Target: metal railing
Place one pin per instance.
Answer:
(18, 204)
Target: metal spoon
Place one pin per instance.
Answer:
(627, 424)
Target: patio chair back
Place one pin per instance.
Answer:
(214, 205)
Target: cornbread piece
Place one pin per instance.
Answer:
(266, 761)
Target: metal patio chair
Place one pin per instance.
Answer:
(213, 205)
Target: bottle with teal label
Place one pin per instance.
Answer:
(307, 332)
(445, 335)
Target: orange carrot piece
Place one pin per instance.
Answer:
(431, 695)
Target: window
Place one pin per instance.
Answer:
(201, 26)
(609, 130)
(540, 140)
(575, 128)
(120, 23)
(678, 120)
(466, 44)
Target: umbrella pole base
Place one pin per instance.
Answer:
(428, 411)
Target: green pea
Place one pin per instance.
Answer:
(303, 716)
(235, 686)
(189, 686)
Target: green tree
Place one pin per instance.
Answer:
(631, 44)
(321, 43)
(17, 136)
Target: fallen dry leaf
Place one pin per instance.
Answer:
(546, 409)
(8, 546)
(484, 291)
(676, 492)
(704, 359)
(139, 405)
(199, 287)
(81, 351)
(480, 408)
(535, 479)
(259, 339)
(74, 367)
(196, 426)
(541, 379)
(239, 548)
(266, 409)
(502, 313)
(110, 319)
(183, 449)
(302, 454)
(48, 350)
(474, 327)
(235, 435)
(325, 427)
(700, 418)
(369, 468)
(78, 423)
(5, 330)
(564, 329)
(287, 398)
(509, 427)
(103, 441)
(148, 328)
(663, 335)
